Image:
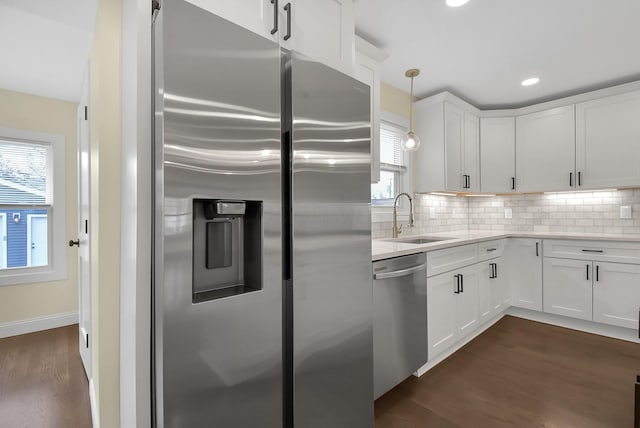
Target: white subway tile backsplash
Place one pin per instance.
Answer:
(584, 212)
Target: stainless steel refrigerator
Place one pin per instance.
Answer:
(262, 232)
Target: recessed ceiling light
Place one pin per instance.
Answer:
(456, 3)
(530, 81)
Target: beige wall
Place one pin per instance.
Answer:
(394, 100)
(105, 136)
(39, 114)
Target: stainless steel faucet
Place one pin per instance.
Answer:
(398, 230)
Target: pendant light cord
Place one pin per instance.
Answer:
(411, 107)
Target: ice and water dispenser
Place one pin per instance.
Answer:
(227, 248)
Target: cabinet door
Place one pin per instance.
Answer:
(499, 292)
(567, 287)
(545, 150)
(467, 308)
(471, 152)
(254, 15)
(497, 154)
(441, 313)
(322, 30)
(608, 141)
(616, 294)
(454, 124)
(367, 70)
(485, 295)
(524, 258)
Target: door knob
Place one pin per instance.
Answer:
(72, 242)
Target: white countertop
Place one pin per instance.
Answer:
(384, 249)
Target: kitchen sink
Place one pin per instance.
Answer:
(416, 240)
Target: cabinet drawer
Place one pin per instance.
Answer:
(606, 251)
(491, 249)
(441, 261)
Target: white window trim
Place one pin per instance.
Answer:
(3, 240)
(385, 212)
(57, 267)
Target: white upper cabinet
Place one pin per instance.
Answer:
(608, 141)
(449, 158)
(545, 150)
(367, 70)
(498, 154)
(321, 29)
(471, 152)
(258, 16)
(454, 125)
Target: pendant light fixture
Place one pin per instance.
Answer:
(410, 142)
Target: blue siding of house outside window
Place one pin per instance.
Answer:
(17, 236)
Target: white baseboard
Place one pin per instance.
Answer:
(15, 328)
(95, 420)
(455, 347)
(621, 333)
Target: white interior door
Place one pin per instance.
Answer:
(37, 237)
(84, 250)
(3, 240)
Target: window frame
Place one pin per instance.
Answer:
(405, 184)
(56, 269)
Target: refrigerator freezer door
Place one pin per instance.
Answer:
(331, 258)
(218, 361)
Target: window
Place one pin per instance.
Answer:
(393, 171)
(32, 202)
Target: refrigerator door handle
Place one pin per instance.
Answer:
(398, 273)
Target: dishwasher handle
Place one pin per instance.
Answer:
(399, 273)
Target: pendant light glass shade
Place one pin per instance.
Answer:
(410, 142)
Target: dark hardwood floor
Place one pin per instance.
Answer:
(42, 381)
(521, 374)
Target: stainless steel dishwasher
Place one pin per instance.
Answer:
(399, 319)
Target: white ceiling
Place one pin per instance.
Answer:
(484, 49)
(45, 46)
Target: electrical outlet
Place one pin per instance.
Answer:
(625, 212)
(508, 213)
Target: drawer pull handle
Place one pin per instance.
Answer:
(592, 251)
(491, 249)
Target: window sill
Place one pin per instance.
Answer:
(30, 275)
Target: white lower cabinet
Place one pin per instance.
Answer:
(524, 262)
(616, 294)
(467, 301)
(493, 289)
(567, 287)
(442, 330)
(470, 293)
(604, 292)
(452, 307)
